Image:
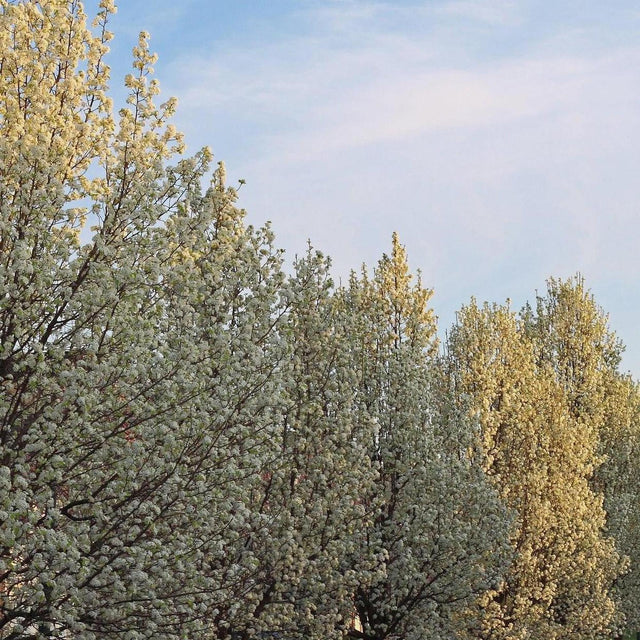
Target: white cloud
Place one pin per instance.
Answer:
(492, 12)
(316, 97)
(497, 170)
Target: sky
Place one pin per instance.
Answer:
(499, 138)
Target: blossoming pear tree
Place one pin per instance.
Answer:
(541, 461)
(310, 502)
(572, 336)
(137, 367)
(439, 529)
(194, 444)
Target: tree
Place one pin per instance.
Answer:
(138, 369)
(439, 530)
(310, 501)
(572, 336)
(194, 445)
(541, 462)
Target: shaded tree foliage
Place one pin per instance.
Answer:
(439, 530)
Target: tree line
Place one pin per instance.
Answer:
(196, 443)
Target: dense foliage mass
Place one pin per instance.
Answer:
(196, 444)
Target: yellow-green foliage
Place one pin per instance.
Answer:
(541, 460)
(572, 337)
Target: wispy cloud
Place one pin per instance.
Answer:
(503, 152)
(326, 94)
(491, 12)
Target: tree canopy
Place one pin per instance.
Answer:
(196, 442)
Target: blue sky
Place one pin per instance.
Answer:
(500, 138)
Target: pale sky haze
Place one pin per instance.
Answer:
(500, 138)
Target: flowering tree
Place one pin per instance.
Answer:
(310, 502)
(194, 445)
(439, 532)
(572, 336)
(138, 368)
(541, 461)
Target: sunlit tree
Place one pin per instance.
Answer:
(195, 445)
(572, 336)
(541, 460)
(136, 367)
